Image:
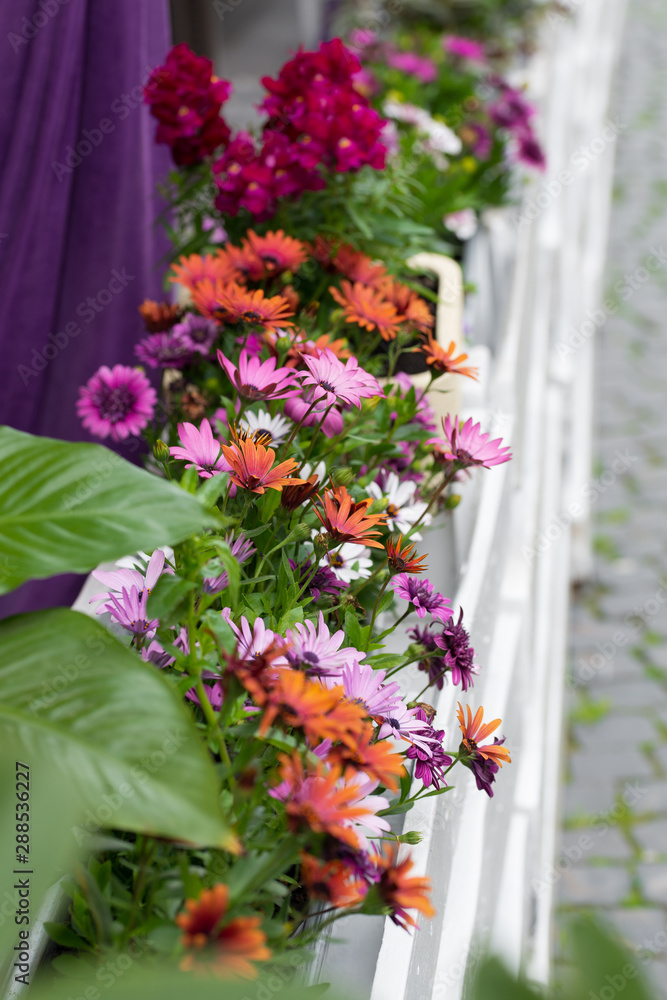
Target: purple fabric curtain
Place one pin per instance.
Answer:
(79, 244)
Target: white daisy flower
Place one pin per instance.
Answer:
(277, 427)
(349, 562)
(402, 511)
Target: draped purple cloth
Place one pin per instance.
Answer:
(79, 244)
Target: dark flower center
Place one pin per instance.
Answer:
(250, 316)
(394, 723)
(114, 404)
(198, 334)
(310, 657)
(392, 510)
(335, 559)
(328, 386)
(465, 456)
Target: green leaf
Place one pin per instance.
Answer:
(169, 593)
(289, 619)
(121, 740)
(66, 937)
(386, 661)
(65, 508)
(353, 629)
(211, 489)
(254, 870)
(270, 503)
(386, 599)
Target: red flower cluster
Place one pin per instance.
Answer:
(315, 102)
(186, 98)
(254, 180)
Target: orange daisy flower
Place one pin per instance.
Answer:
(377, 760)
(322, 713)
(231, 948)
(277, 252)
(293, 496)
(414, 310)
(474, 732)
(401, 893)
(253, 470)
(367, 307)
(402, 560)
(444, 361)
(243, 263)
(316, 799)
(336, 882)
(159, 316)
(244, 306)
(347, 521)
(358, 266)
(207, 267)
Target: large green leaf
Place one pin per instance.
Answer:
(121, 739)
(65, 508)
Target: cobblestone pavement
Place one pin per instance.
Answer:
(613, 855)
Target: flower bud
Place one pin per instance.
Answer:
(321, 545)
(283, 345)
(452, 501)
(369, 403)
(299, 533)
(411, 837)
(160, 451)
(343, 476)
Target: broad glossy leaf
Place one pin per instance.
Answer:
(65, 508)
(121, 740)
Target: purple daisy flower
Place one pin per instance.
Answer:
(422, 595)
(431, 759)
(484, 769)
(365, 686)
(530, 152)
(116, 402)
(242, 548)
(163, 350)
(466, 48)
(414, 65)
(324, 581)
(154, 653)
(197, 334)
(319, 653)
(334, 381)
(459, 655)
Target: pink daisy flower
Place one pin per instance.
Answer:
(257, 379)
(422, 595)
(200, 450)
(365, 686)
(331, 422)
(319, 653)
(251, 642)
(242, 548)
(404, 724)
(409, 62)
(117, 579)
(466, 446)
(116, 402)
(466, 48)
(129, 610)
(334, 381)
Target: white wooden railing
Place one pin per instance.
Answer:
(488, 859)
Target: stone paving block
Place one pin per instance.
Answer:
(652, 797)
(597, 841)
(588, 798)
(618, 764)
(624, 695)
(653, 878)
(583, 884)
(638, 924)
(652, 836)
(613, 731)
